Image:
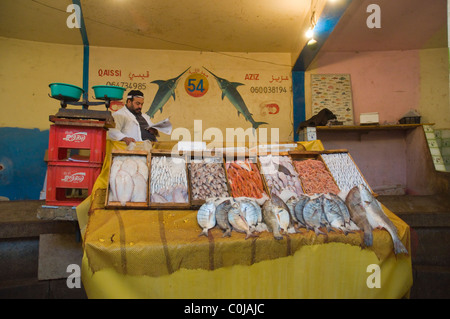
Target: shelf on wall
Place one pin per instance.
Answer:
(337, 128)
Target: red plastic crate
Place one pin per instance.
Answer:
(64, 137)
(63, 176)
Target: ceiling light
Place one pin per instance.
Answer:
(310, 33)
(312, 41)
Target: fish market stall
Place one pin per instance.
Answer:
(259, 243)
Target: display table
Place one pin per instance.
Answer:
(159, 254)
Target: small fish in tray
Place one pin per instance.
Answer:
(207, 179)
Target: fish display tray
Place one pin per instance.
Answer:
(277, 179)
(129, 205)
(196, 203)
(253, 159)
(305, 155)
(344, 151)
(169, 205)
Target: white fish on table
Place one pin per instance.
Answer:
(252, 213)
(377, 218)
(236, 217)
(206, 217)
(312, 214)
(276, 218)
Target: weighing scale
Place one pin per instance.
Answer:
(84, 113)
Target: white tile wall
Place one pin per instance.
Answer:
(438, 147)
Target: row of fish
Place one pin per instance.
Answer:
(128, 179)
(207, 179)
(168, 183)
(280, 174)
(289, 212)
(242, 214)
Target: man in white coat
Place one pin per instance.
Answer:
(131, 124)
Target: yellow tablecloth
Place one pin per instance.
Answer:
(158, 254)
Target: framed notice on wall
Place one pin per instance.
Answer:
(334, 92)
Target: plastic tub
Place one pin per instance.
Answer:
(111, 92)
(66, 91)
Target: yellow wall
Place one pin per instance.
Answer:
(137, 68)
(434, 87)
(26, 70)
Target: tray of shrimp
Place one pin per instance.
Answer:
(244, 178)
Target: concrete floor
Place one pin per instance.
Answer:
(21, 242)
(35, 253)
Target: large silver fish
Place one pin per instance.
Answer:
(333, 213)
(377, 218)
(344, 209)
(312, 213)
(206, 217)
(237, 219)
(276, 218)
(358, 214)
(298, 208)
(280, 203)
(252, 213)
(222, 217)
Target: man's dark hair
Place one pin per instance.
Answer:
(133, 93)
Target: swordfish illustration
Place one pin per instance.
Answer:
(229, 90)
(165, 91)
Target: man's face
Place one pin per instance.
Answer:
(135, 106)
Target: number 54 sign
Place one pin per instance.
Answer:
(196, 85)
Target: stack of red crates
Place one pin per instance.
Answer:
(65, 173)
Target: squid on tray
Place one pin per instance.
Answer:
(168, 183)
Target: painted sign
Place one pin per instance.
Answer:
(196, 84)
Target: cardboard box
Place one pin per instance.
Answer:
(369, 118)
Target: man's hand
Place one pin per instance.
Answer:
(128, 140)
(154, 131)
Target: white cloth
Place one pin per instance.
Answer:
(126, 125)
